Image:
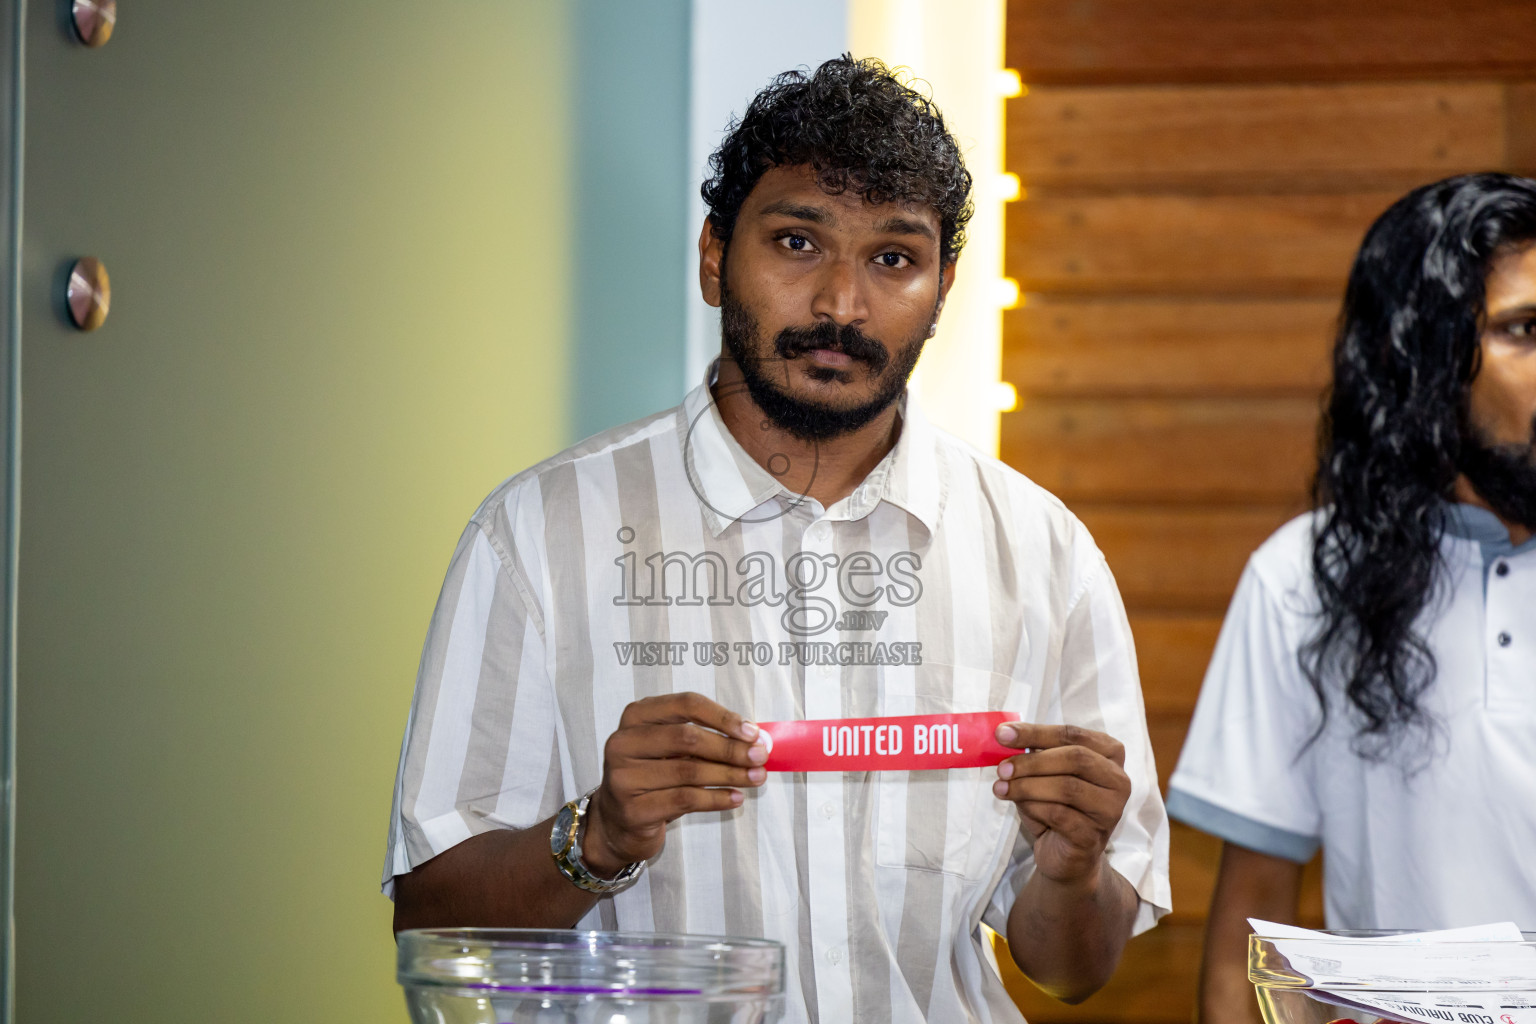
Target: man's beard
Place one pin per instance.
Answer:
(1503, 475)
(806, 419)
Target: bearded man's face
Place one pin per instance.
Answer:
(766, 368)
(1498, 453)
(826, 301)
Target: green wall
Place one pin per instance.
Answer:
(340, 243)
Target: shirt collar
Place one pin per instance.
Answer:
(730, 484)
(1471, 522)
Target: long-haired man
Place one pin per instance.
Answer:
(1373, 691)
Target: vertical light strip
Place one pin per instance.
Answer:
(14, 47)
(956, 48)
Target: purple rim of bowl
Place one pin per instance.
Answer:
(588, 990)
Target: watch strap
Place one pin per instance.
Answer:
(568, 860)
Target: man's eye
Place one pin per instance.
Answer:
(894, 260)
(1522, 329)
(798, 243)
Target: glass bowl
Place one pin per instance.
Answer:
(1338, 978)
(533, 976)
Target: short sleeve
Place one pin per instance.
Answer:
(1241, 775)
(1100, 689)
(480, 749)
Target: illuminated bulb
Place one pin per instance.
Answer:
(1008, 188)
(1006, 290)
(1005, 396)
(1009, 84)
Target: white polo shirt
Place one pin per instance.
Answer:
(1452, 844)
(659, 557)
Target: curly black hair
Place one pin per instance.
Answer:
(860, 128)
(1392, 439)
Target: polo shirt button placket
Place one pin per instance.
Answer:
(1509, 592)
(1501, 569)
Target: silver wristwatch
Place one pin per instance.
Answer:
(565, 847)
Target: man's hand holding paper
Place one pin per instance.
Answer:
(671, 755)
(1070, 787)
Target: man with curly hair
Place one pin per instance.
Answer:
(1373, 691)
(794, 542)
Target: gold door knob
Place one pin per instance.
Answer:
(93, 20)
(88, 295)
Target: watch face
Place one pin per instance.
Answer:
(560, 835)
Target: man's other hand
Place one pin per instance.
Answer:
(672, 755)
(1070, 788)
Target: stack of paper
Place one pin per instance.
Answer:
(1478, 975)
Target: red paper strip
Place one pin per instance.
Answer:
(904, 743)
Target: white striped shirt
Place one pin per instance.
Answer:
(629, 565)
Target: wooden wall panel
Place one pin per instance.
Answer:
(1263, 245)
(1150, 987)
(1181, 41)
(1194, 449)
(1254, 138)
(1520, 125)
(1192, 873)
(1167, 732)
(1197, 175)
(1179, 558)
(1056, 346)
(1172, 651)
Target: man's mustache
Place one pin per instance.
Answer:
(847, 339)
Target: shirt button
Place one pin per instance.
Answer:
(828, 811)
(835, 956)
(1505, 639)
(1502, 569)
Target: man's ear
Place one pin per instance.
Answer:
(946, 282)
(711, 261)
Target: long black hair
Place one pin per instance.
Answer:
(1393, 432)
